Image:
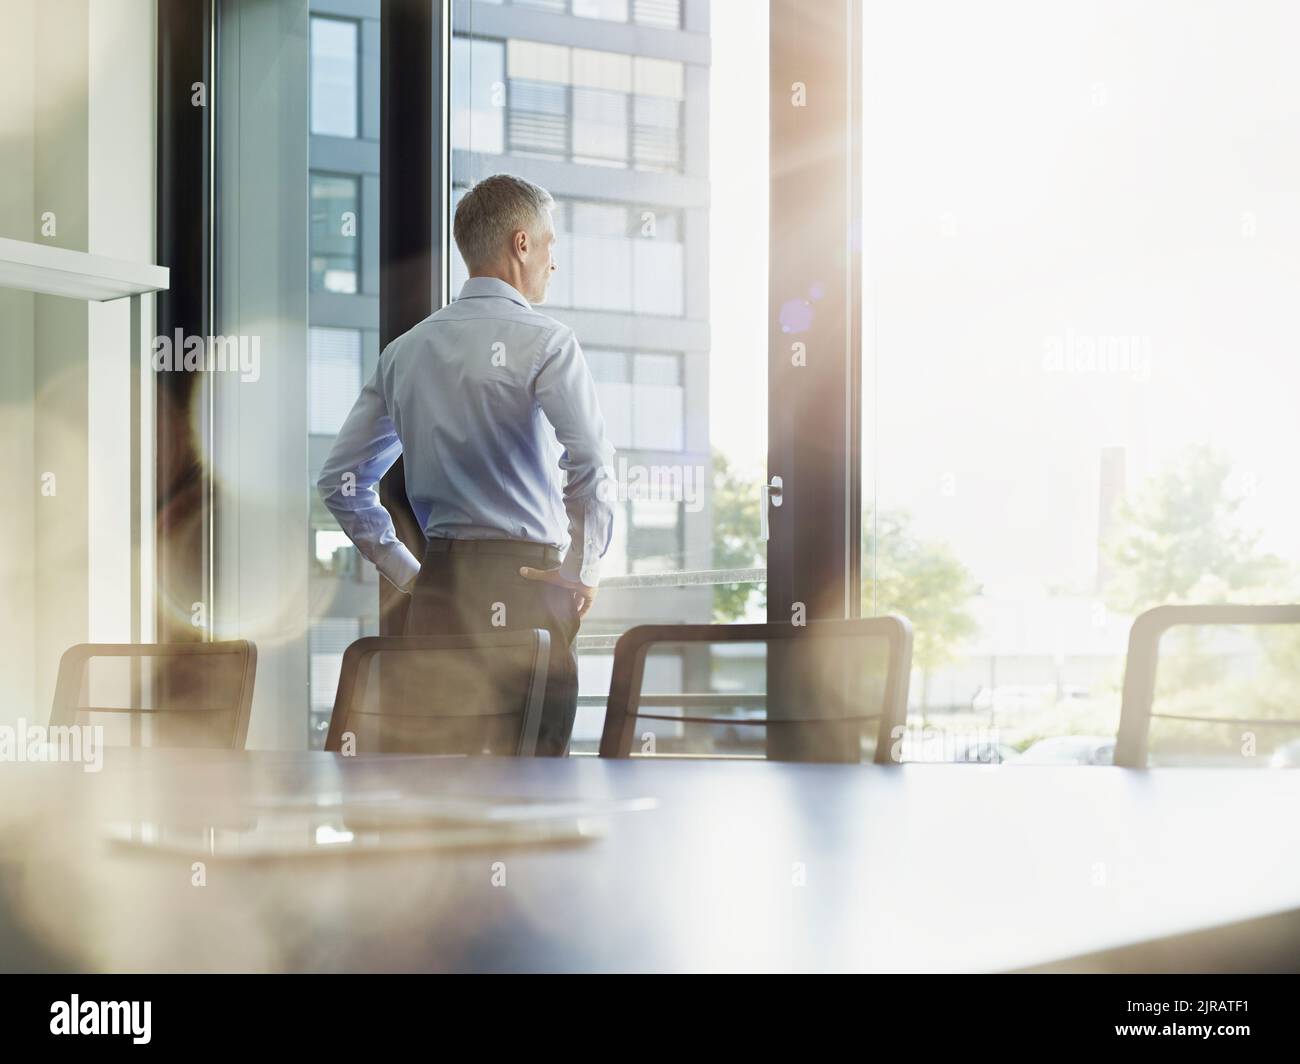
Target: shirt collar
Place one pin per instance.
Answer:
(478, 287)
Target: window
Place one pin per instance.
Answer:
(664, 14)
(1081, 388)
(655, 535)
(602, 256)
(612, 372)
(334, 365)
(335, 243)
(335, 94)
(610, 10)
(623, 258)
(479, 95)
(599, 127)
(660, 415)
(675, 332)
(658, 262)
(593, 107)
(642, 398)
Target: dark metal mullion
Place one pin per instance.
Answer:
(414, 186)
(853, 355)
(186, 50)
(814, 411)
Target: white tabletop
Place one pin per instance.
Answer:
(739, 866)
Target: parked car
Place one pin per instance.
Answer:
(954, 747)
(1286, 756)
(1070, 750)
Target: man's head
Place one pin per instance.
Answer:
(504, 229)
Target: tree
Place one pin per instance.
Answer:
(924, 581)
(736, 543)
(1179, 539)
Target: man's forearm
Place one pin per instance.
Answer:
(591, 522)
(370, 528)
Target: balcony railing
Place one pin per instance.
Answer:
(687, 578)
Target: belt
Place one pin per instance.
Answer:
(514, 548)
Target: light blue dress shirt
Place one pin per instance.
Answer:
(489, 401)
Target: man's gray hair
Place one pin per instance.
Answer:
(491, 213)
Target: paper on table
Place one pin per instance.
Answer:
(382, 826)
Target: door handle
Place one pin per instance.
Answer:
(769, 493)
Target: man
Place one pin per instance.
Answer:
(476, 397)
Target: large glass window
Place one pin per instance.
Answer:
(342, 315)
(663, 279)
(1079, 348)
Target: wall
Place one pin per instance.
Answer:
(76, 135)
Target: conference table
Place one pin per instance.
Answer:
(160, 863)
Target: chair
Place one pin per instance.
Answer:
(462, 694)
(826, 687)
(159, 694)
(1131, 744)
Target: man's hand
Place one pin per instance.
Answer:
(583, 596)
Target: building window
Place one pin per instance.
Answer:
(660, 420)
(612, 372)
(557, 6)
(659, 86)
(620, 258)
(578, 104)
(599, 127)
(335, 60)
(654, 541)
(662, 14)
(609, 10)
(334, 371)
(479, 95)
(602, 256)
(335, 224)
(658, 262)
(642, 398)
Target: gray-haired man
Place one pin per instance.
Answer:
(476, 398)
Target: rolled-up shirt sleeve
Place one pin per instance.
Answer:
(566, 393)
(366, 448)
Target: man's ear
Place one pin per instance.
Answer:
(522, 244)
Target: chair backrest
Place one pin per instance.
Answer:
(462, 694)
(1205, 719)
(159, 694)
(824, 691)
